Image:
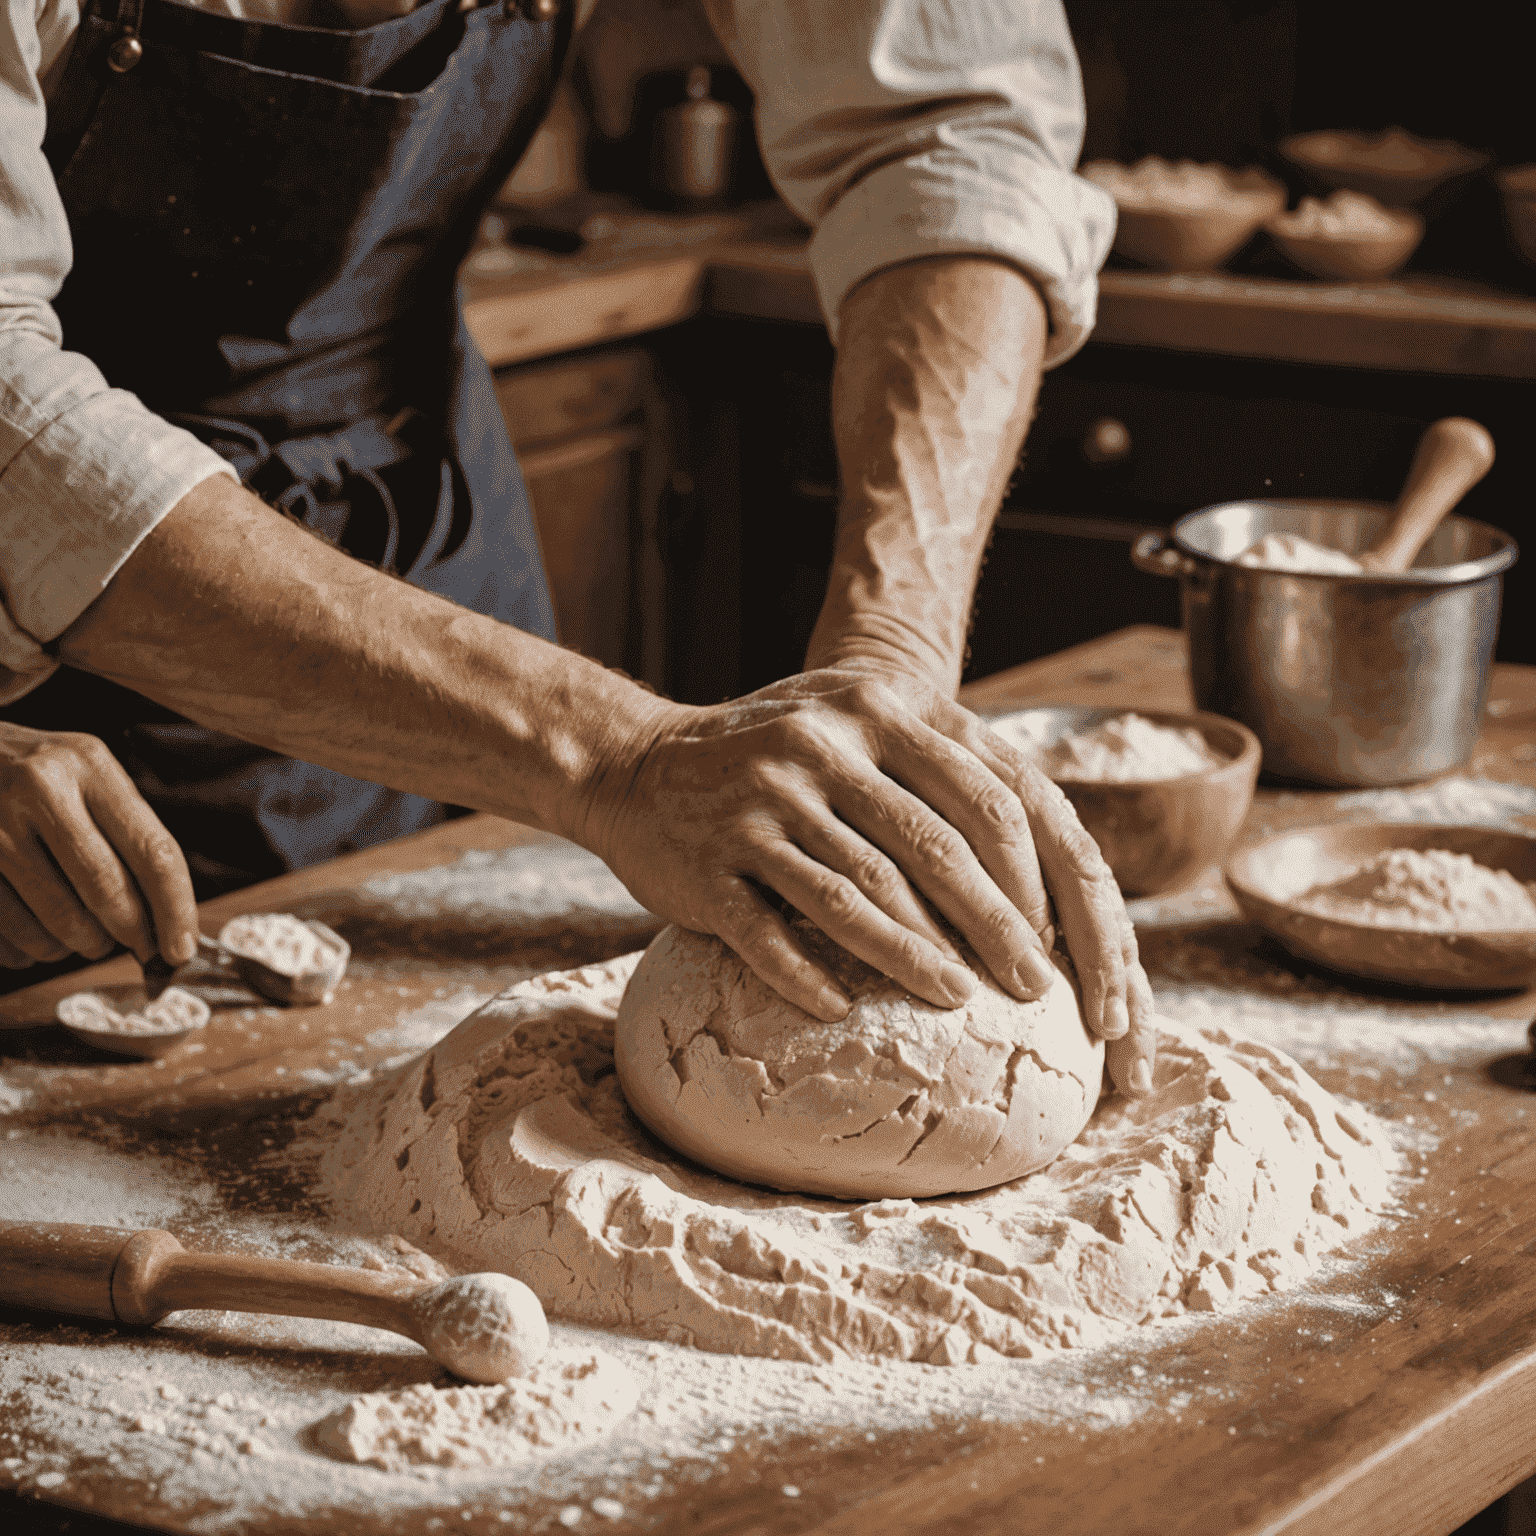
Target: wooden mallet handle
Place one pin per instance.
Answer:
(138, 1277)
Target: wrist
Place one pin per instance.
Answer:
(886, 644)
(617, 723)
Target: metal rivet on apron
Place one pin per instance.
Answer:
(534, 10)
(124, 54)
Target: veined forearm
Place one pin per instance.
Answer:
(244, 622)
(937, 370)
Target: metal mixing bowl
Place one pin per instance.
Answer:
(1346, 680)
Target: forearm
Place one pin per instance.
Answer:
(937, 369)
(244, 622)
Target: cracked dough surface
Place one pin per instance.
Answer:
(900, 1098)
(509, 1146)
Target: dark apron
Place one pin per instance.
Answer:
(268, 223)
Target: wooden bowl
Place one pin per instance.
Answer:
(1267, 876)
(1394, 167)
(1176, 239)
(1351, 258)
(1157, 834)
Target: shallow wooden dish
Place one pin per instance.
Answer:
(146, 1045)
(1157, 834)
(1350, 258)
(1364, 162)
(1265, 876)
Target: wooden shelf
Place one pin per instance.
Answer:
(653, 270)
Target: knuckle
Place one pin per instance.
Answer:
(162, 857)
(872, 872)
(1002, 813)
(934, 841)
(838, 897)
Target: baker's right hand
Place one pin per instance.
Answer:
(84, 861)
(833, 790)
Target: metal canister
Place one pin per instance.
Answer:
(696, 144)
(1346, 680)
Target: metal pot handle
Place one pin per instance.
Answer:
(1153, 554)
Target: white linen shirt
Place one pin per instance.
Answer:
(896, 128)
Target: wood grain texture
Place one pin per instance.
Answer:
(1395, 1393)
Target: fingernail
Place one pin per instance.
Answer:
(1117, 1022)
(181, 949)
(1035, 973)
(832, 1005)
(959, 983)
(1141, 1076)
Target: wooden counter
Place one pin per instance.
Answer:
(1395, 1393)
(647, 271)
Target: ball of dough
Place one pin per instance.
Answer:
(901, 1098)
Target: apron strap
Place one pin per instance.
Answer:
(127, 50)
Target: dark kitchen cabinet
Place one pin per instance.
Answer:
(1125, 439)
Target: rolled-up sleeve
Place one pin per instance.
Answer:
(902, 129)
(86, 471)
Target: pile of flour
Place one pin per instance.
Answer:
(1429, 891)
(1343, 216)
(1124, 749)
(569, 1398)
(509, 1146)
(1183, 186)
(1291, 552)
(278, 940)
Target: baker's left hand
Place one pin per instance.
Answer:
(1068, 868)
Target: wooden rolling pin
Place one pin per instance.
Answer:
(484, 1328)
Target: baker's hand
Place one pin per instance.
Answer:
(838, 792)
(84, 861)
(1099, 936)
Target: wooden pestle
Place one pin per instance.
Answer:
(139, 1277)
(1453, 455)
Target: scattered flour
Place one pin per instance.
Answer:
(568, 1398)
(1426, 891)
(1124, 749)
(1456, 801)
(509, 1146)
(549, 887)
(1291, 552)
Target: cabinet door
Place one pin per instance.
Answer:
(582, 492)
(593, 436)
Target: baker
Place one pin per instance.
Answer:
(271, 589)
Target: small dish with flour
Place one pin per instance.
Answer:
(1163, 793)
(127, 1022)
(1443, 908)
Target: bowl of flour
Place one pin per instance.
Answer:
(1445, 908)
(1163, 793)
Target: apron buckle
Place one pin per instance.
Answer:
(124, 54)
